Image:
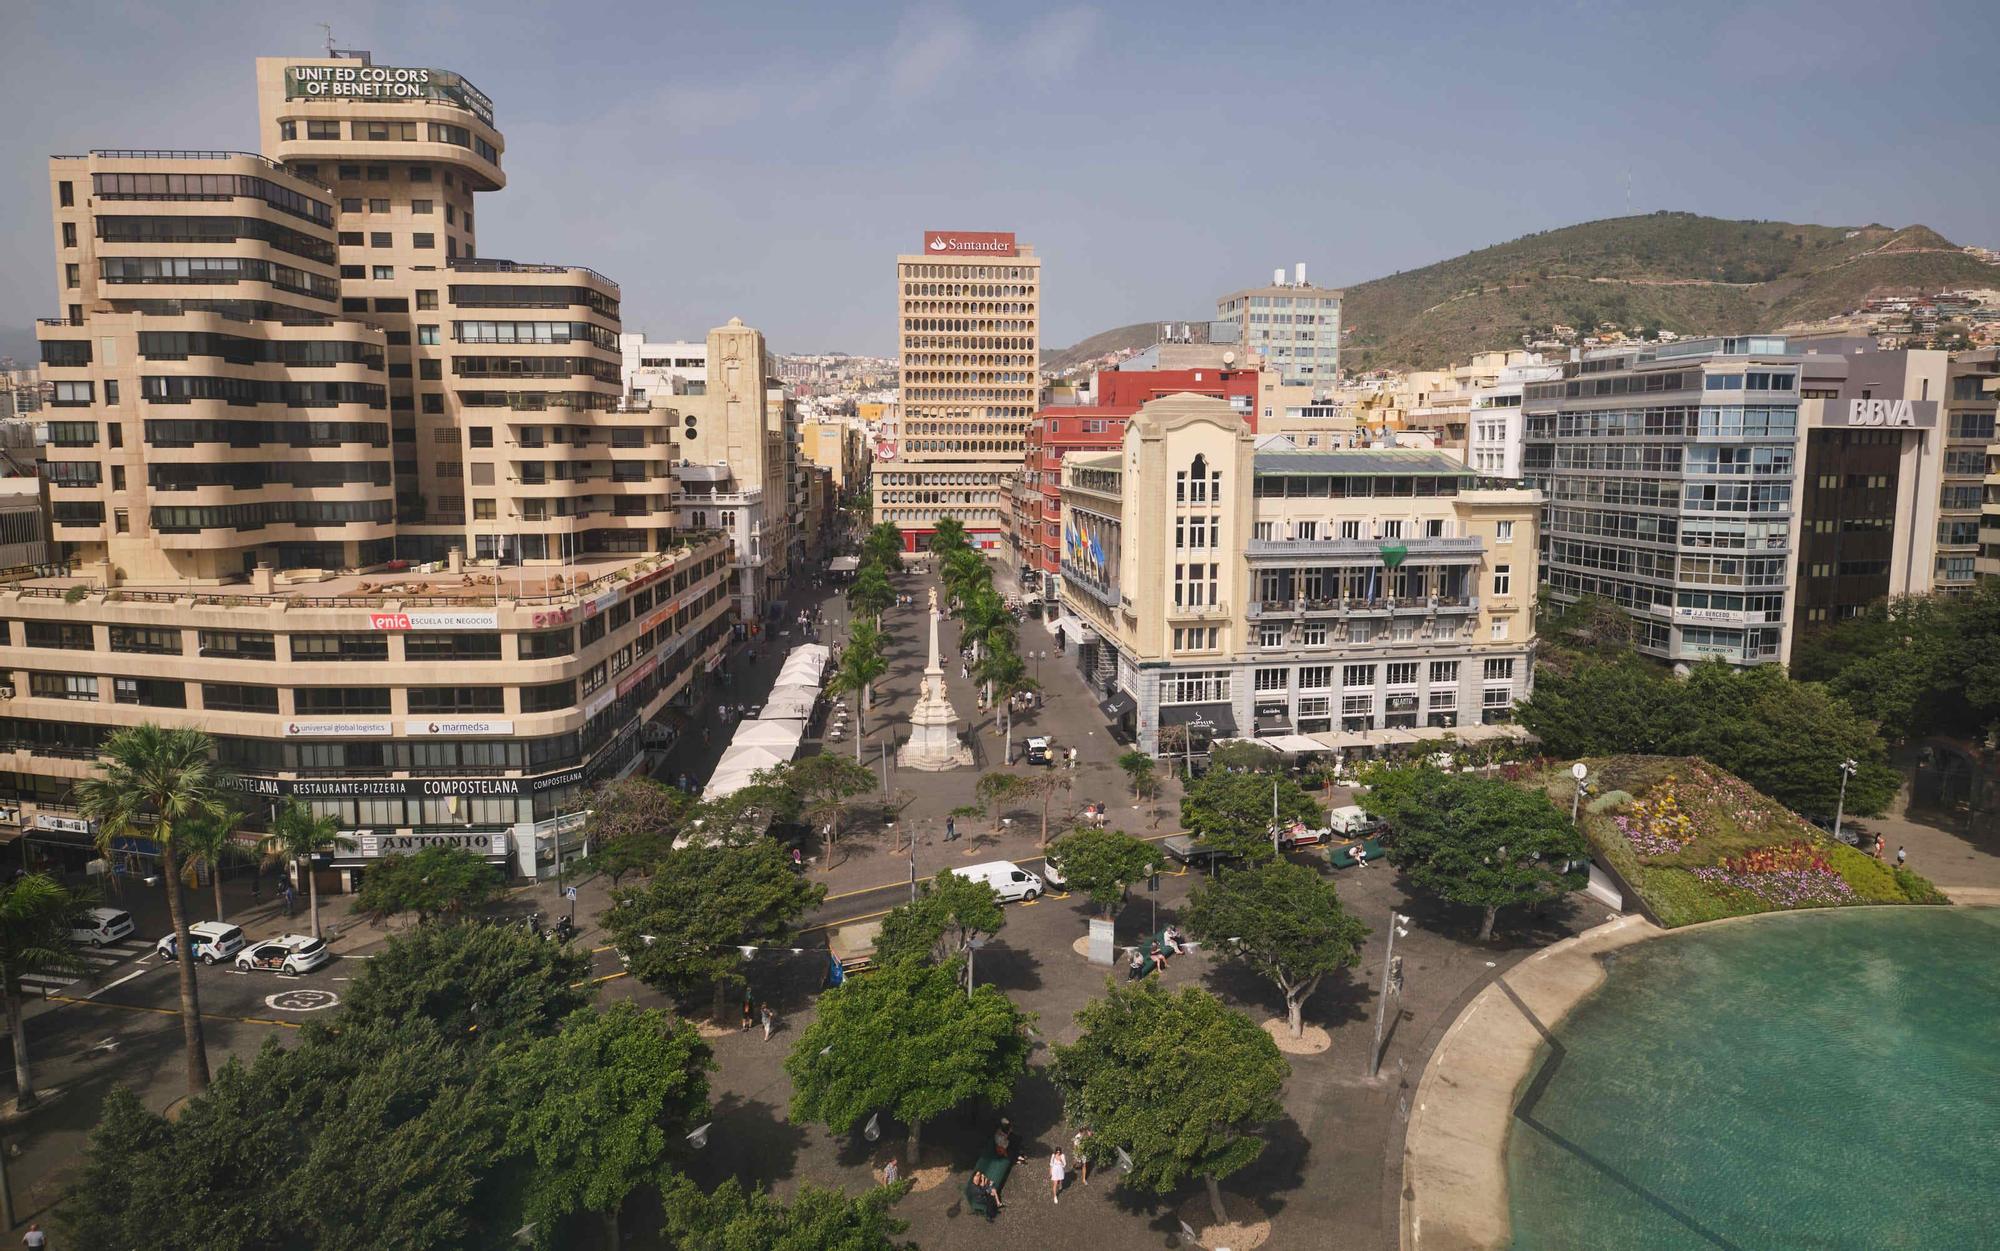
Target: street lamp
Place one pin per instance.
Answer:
(1392, 983)
(1847, 768)
(1579, 771)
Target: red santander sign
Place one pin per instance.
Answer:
(969, 243)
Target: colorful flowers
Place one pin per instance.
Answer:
(1657, 825)
(1790, 875)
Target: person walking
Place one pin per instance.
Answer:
(290, 897)
(1878, 846)
(1056, 1174)
(748, 1017)
(1902, 855)
(950, 829)
(769, 1018)
(34, 1238)
(1080, 1147)
(889, 1172)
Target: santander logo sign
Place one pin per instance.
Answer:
(969, 243)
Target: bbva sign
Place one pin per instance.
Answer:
(1893, 414)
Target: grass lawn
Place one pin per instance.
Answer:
(1700, 844)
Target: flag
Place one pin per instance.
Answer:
(1096, 552)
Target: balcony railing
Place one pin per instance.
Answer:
(1266, 609)
(1365, 549)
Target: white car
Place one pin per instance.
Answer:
(212, 941)
(102, 925)
(287, 953)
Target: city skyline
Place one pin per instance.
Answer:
(1060, 127)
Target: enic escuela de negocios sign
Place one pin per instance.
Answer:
(384, 82)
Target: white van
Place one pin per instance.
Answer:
(1010, 880)
(102, 925)
(1354, 821)
(211, 940)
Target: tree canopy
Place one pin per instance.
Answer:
(1283, 920)
(1785, 738)
(909, 1040)
(1918, 665)
(817, 1219)
(499, 981)
(1232, 811)
(940, 923)
(1102, 864)
(1478, 841)
(632, 823)
(1178, 1080)
(437, 882)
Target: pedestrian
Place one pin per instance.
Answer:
(950, 829)
(889, 1172)
(1072, 757)
(747, 1017)
(684, 781)
(798, 861)
(1080, 1147)
(769, 1018)
(289, 898)
(35, 1237)
(1056, 1174)
(1878, 846)
(1003, 1137)
(1902, 855)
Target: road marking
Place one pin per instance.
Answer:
(866, 916)
(605, 947)
(120, 982)
(610, 977)
(206, 1016)
(302, 1000)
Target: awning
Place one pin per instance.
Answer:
(1273, 721)
(843, 564)
(775, 734)
(1210, 721)
(790, 702)
(1118, 704)
(1294, 744)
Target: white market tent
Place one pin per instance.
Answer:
(738, 765)
(777, 735)
(789, 702)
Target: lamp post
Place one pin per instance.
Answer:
(1847, 768)
(1392, 983)
(1579, 771)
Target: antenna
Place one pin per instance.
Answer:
(1628, 191)
(329, 37)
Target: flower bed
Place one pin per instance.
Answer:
(1795, 875)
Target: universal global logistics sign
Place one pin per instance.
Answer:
(355, 81)
(969, 243)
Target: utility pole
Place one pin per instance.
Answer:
(1847, 768)
(1392, 983)
(913, 863)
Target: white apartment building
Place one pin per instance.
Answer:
(656, 369)
(1493, 423)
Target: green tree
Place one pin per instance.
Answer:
(964, 573)
(883, 545)
(827, 788)
(1234, 812)
(1041, 785)
(870, 593)
(1478, 841)
(681, 930)
(597, 1107)
(1609, 707)
(437, 882)
(910, 1040)
(817, 1219)
(495, 982)
(1142, 774)
(631, 823)
(995, 790)
(150, 782)
(1102, 864)
(36, 914)
(1283, 920)
(1245, 757)
(941, 923)
(948, 536)
(1005, 675)
(1177, 1080)
(1786, 738)
(297, 835)
(208, 844)
(861, 664)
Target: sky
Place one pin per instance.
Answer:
(769, 161)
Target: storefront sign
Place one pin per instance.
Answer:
(1400, 703)
(355, 81)
(551, 617)
(351, 788)
(591, 607)
(1717, 616)
(970, 243)
(639, 674)
(254, 786)
(571, 778)
(434, 620)
(458, 726)
(1889, 414)
(338, 729)
(598, 703)
(62, 825)
(490, 844)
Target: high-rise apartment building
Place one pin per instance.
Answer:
(1968, 429)
(1224, 585)
(295, 414)
(1290, 328)
(969, 340)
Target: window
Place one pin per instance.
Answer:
(72, 395)
(428, 699)
(378, 206)
(66, 635)
(350, 204)
(237, 644)
(1272, 679)
(547, 644)
(340, 647)
(69, 234)
(551, 697)
(1503, 579)
(152, 642)
(72, 275)
(1444, 672)
(351, 238)
(149, 692)
(422, 240)
(430, 371)
(76, 686)
(420, 173)
(1195, 686)
(1504, 532)
(1403, 673)
(1499, 631)
(66, 194)
(427, 299)
(378, 173)
(1270, 636)
(434, 403)
(480, 436)
(427, 335)
(235, 697)
(338, 700)
(446, 646)
(420, 206)
(482, 510)
(324, 130)
(1500, 670)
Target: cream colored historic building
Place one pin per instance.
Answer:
(359, 502)
(1239, 585)
(969, 340)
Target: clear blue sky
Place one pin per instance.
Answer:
(769, 160)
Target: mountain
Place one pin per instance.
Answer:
(1142, 335)
(1670, 271)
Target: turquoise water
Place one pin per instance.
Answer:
(1815, 1081)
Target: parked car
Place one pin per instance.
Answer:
(1010, 880)
(1041, 751)
(102, 925)
(211, 940)
(1192, 851)
(1354, 821)
(287, 953)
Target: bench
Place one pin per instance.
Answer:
(996, 1168)
(1352, 854)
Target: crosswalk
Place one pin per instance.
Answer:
(100, 960)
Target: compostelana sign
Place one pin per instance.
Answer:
(969, 243)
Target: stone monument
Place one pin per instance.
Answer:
(933, 744)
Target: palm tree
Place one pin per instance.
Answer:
(208, 845)
(861, 662)
(964, 572)
(296, 836)
(871, 593)
(36, 914)
(948, 537)
(1005, 675)
(150, 782)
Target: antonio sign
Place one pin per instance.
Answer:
(969, 243)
